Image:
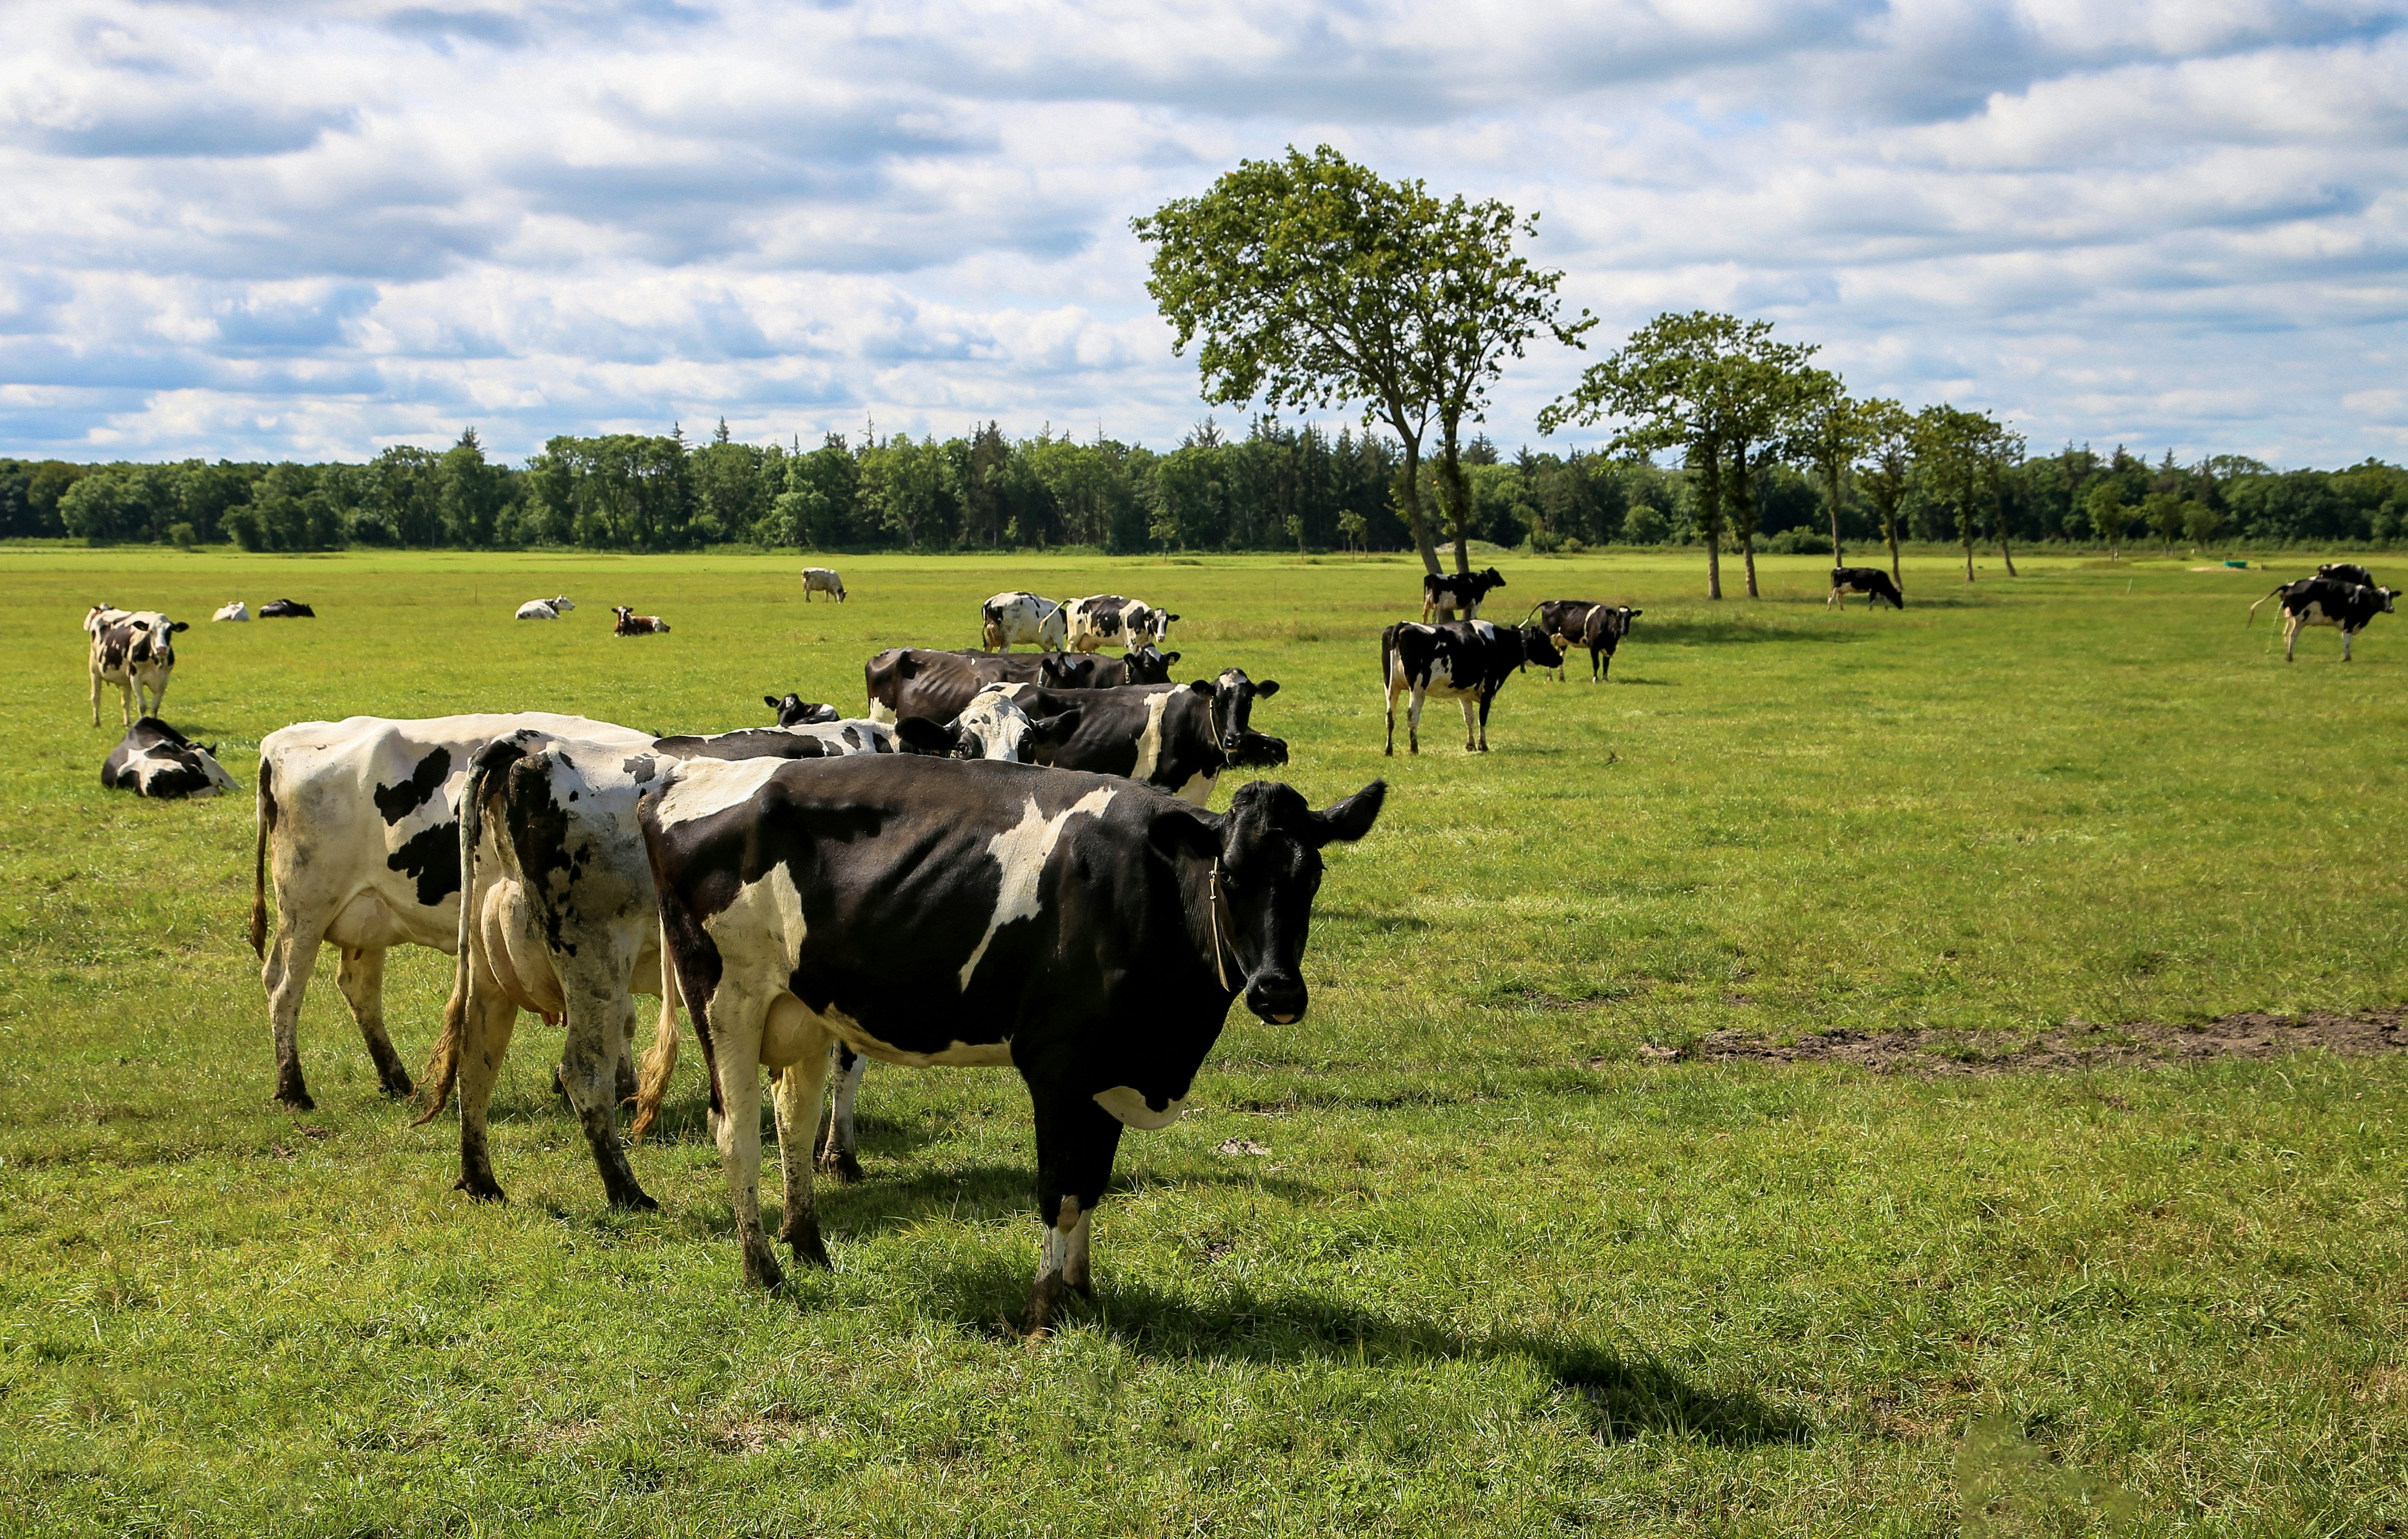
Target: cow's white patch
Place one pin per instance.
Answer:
(1022, 850)
(1198, 788)
(703, 787)
(1129, 1108)
(1149, 743)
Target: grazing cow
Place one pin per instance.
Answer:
(992, 726)
(1570, 623)
(2325, 601)
(357, 819)
(1089, 932)
(154, 759)
(544, 609)
(1442, 596)
(821, 579)
(2347, 572)
(1872, 582)
(1467, 660)
(136, 651)
(1103, 618)
(237, 611)
(1012, 618)
(916, 682)
(631, 624)
(559, 916)
(793, 710)
(286, 609)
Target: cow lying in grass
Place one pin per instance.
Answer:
(154, 759)
(631, 624)
(1089, 932)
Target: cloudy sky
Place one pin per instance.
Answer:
(311, 230)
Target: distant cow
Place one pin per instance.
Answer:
(2347, 572)
(2325, 601)
(286, 609)
(136, 651)
(1570, 623)
(793, 710)
(1088, 932)
(236, 610)
(1467, 660)
(154, 759)
(1872, 582)
(1442, 596)
(559, 915)
(821, 579)
(631, 624)
(544, 609)
(1010, 619)
(919, 682)
(1107, 618)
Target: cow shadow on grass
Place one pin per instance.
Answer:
(1619, 1395)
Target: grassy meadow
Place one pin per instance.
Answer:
(1499, 1266)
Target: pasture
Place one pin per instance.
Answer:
(1477, 1246)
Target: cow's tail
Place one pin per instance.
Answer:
(263, 814)
(661, 1062)
(2252, 609)
(1387, 656)
(443, 1065)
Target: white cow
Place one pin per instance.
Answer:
(236, 610)
(544, 609)
(821, 579)
(1012, 618)
(1107, 618)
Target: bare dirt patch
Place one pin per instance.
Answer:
(2076, 1045)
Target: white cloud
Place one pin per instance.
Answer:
(315, 229)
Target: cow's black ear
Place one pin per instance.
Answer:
(1166, 619)
(1169, 658)
(928, 737)
(1186, 831)
(1202, 686)
(1051, 732)
(770, 700)
(181, 625)
(1351, 819)
(1636, 613)
(906, 666)
(1267, 688)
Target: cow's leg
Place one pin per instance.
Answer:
(292, 957)
(795, 1097)
(1471, 742)
(601, 1019)
(1391, 749)
(839, 1147)
(1486, 696)
(158, 705)
(361, 974)
(95, 696)
(2290, 636)
(1414, 720)
(2345, 638)
(1600, 663)
(487, 1018)
(736, 1020)
(1076, 1141)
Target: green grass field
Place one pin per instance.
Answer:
(1501, 1270)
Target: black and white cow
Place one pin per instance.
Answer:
(559, 916)
(357, 821)
(154, 759)
(2347, 572)
(793, 710)
(994, 726)
(1103, 619)
(1466, 660)
(918, 681)
(136, 651)
(1875, 584)
(1570, 623)
(631, 624)
(546, 609)
(1175, 737)
(286, 609)
(821, 579)
(2351, 607)
(1011, 619)
(1442, 596)
(1089, 932)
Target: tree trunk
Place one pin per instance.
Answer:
(2007, 555)
(1831, 485)
(1966, 526)
(1889, 528)
(1743, 512)
(1454, 494)
(1710, 509)
(1410, 478)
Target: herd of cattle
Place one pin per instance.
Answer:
(1008, 861)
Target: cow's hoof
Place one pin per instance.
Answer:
(810, 1250)
(634, 1200)
(761, 1269)
(481, 1188)
(842, 1167)
(296, 1097)
(1044, 1303)
(399, 1088)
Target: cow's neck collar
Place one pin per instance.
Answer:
(1217, 902)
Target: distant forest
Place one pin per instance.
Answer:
(1276, 488)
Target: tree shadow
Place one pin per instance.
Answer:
(1619, 1396)
(1738, 632)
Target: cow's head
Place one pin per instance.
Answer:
(623, 612)
(1160, 626)
(1146, 666)
(1490, 578)
(1064, 671)
(1539, 648)
(992, 727)
(793, 710)
(1266, 855)
(1231, 701)
(563, 604)
(2387, 595)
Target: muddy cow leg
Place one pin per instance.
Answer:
(838, 1142)
(361, 974)
(285, 974)
(601, 1018)
(487, 1019)
(796, 1098)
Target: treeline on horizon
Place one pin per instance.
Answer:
(1278, 487)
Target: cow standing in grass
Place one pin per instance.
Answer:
(2350, 606)
(1104, 619)
(1872, 582)
(1569, 623)
(136, 651)
(1012, 619)
(1088, 932)
(1467, 661)
(918, 681)
(821, 579)
(1442, 596)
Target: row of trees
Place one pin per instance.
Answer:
(1276, 487)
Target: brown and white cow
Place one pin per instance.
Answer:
(631, 624)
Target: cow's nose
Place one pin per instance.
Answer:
(1279, 1001)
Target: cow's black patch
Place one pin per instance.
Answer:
(643, 767)
(398, 801)
(430, 857)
